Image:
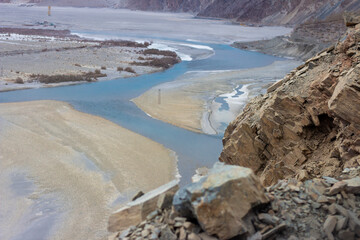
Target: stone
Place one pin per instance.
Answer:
(267, 218)
(342, 210)
(165, 200)
(337, 187)
(205, 236)
(346, 235)
(332, 209)
(273, 231)
(137, 211)
(193, 236)
(302, 175)
(330, 180)
(341, 223)
(113, 236)
(354, 223)
(214, 200)
(167, 234)
(138, 195)
(145, 233)
(187, 225)
(329, 226)
(182, 235)
(152, 215)
(347, 91)
(322, 199)
(353, 185)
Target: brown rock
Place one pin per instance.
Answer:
(346, 235)
(205, 236)
(304, 123)
(217, 212)
(167, 234)
(337, 187)
(341, 223)
(329, 226)
(353, 185)
(345, 101)
(137, 211)
(182, 235)
(193, 236)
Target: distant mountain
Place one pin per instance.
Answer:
(267, 12)
(194, 6)
(278, 12)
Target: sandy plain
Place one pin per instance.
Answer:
(58, 163)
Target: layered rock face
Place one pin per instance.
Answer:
(277, 12)
(308, 124)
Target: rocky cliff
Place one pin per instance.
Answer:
(308, 124)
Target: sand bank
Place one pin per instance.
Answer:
(62, 171)
(192, 101)
(24, 57)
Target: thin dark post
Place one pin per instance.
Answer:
(159, 96)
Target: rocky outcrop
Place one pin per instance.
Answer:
(214, 201)
(307, 124)
(137, 210)
(306, 40)
(321, 208)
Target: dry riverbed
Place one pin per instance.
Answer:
(57, 164)
(32, 58)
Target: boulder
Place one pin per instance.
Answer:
(136, 211)
(222, 200)
(345, 101)
(353, 185)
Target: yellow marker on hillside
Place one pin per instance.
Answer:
(49, 10)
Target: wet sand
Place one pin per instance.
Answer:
(62, 170)
(190, 101)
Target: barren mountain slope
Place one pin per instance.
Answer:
(308, 123)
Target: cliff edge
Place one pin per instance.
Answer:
(308, 124)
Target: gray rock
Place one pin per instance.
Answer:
(267, 218)
(214, 200)
(193, 236)
(329, 226)
(167, 234)
(346, 235)
(353, 185)
(341, 223)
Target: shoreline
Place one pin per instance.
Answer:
(190, 102)
(73, 167)
(63, 59)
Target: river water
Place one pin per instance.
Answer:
(111, 100)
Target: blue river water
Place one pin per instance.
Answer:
(111, 100)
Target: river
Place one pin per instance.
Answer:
(112, 99)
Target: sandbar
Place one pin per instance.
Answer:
(65, 171)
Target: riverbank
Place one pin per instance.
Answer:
(305, 41)
(60, 58)
(196, 100)
(58, 163)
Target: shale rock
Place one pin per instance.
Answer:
(137, 211)
(307, 124)
(221, 201)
